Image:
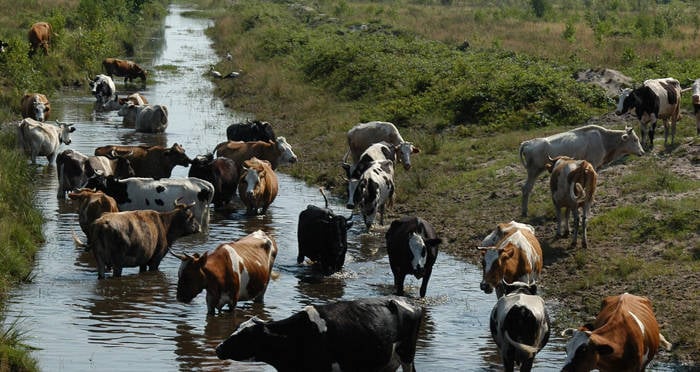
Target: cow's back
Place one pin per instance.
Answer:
(363, 135)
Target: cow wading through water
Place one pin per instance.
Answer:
(376, 334)
(124, 68)
(138, 238)
(149, 161)
(373, 192)
(322, 237)
(624, 337)
(35, 106)
(412, 245)
(257, 186)
(519, 325)
(43, 139)
(235, 271)
(597, 145)
(512, 253)
(250, 131)
(655, 99)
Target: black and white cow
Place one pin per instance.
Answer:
(323, 238)
(519, 325)
(373, 191)
(377, 151)
(377, 334)
(250, 131)
(138, 193)
(104, 90)
(412, 245)
(655, 99)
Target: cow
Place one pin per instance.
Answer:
(655, 99)
(696, 104)
(118, 103)
(222, 172)
(127, 69)
(257, 186)
(129, 111)
(152, 119)
(624, 337)
(597, 145)
(250, 131)
(110, 165)
(277, 153)
(376, 152)
(373, 192)
(149, 161)
(322, 237)
(40, 37)
(235, 271)
(104, 90)
(573, 184)
(412, 246)
(373, 334)
(35, 106)
(363, 135)
(70, 169)
(511, 253)
(43, 139)
(138, 238)
(138, 193)
(519, 325)
(91, 206)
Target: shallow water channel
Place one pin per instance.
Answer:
(134, 322)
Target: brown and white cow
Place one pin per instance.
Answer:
(43, 139)
(138, 238)
(597, 145)
(235, 271)
(149, 161)
(257, 186)
(512, 253)
(40, 37)
(277, 153)
(92, 205)
(35, 106)
(124, 68)
(624, 337)
(118, 103)
(573, 184)
(655, 99)
(363, 135)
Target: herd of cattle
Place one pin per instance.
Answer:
(132, 211)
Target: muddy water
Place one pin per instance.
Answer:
(134, 322)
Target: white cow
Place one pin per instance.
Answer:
(363, 135)
(152, 119)
(43, 139)
(595, 144)
(655, 99)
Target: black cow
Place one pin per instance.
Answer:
(376, 334)
(322, 237)
(519, 325)
(222, 172)
(250, 131)
(70, 169)
(412, 245)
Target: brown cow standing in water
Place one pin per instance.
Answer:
(126, 69)
(40, 36)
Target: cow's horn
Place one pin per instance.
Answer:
(485, 248)
(182, 257)
(567, 332)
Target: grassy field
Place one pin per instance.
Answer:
(85, 32)
(315, 69)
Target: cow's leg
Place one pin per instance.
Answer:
(527, 365)
(652, 130)
(527, 189)
(584, 225)
(116, 271)
(100, 266)
(576, 223)
(567, 211)
(398, 281)
(142, 268)
(211, 302)
(426, 278)
(557, 211)
(508, 364)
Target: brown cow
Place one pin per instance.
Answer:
(257, 186)
(138, 238)
(511, 253)
(127, 69)
(277, 153)
(233, 272)
(92, 205)
(573, 184)
(40, 36)
(624, 337)
(35, 106)
(149, 161)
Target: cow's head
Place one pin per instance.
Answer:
(584, 349)
(421, 250)
(405, 150)
(355, 191)
(251, 177)
(191, 279)
(629, 143)
(493, 265)
(41, 109)
(245, 341)
(285, 150)
(624, 93)
(65, 130)
(176, 155)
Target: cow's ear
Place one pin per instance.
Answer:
(604, 349)
(625, 137)
(415, 150)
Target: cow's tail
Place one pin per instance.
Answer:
(664, 343)
(324, 195)
(527, 349)
(78, 242)
(520, 152)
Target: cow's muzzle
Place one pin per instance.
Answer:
(487, 288)
(350, 206)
